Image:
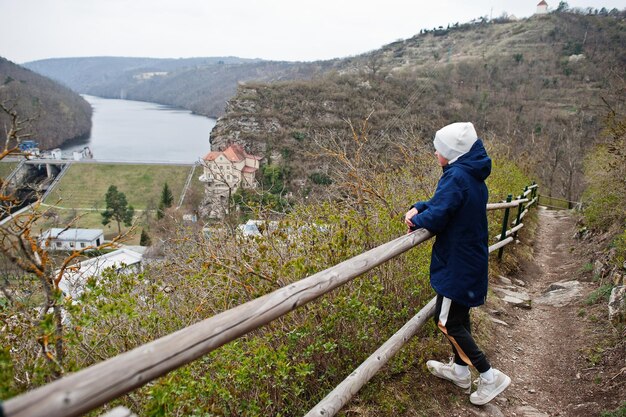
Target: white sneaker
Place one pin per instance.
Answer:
(486, 391)
(446, 371)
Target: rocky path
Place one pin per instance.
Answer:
(543, 334)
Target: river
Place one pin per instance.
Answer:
(136, 131)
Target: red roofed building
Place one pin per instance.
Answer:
(230, 168)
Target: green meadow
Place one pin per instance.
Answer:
(81, 193)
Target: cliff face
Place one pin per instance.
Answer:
(56, 113)
(250, 120)
(536, 86)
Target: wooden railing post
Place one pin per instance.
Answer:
(520, 209)
(505, 222)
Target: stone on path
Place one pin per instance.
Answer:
(516, 298)
(498, 321)
(584, 409)
(597, 268)
(519, 282)
(491, 410)
(487, 410)
(617, 304)
(516, 302)
(504, 280)
(528, 411)
(560, 294)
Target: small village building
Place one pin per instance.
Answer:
(85, 153)
(70, 239)
(257, 228)
(124, 260)
(56, 153)
(225, 172)
(542, 7)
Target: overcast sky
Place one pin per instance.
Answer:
(291, 30)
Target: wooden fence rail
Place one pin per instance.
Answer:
(87, 389)
(555, 203)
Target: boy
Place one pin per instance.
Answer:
(457, 215)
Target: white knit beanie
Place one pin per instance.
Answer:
(454, 140)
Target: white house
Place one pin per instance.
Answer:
(85, 153)
(70, 239)
(257, 227)
(230, 168)
(75, 277)
(542, 7)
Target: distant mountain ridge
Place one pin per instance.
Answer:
(83, 74)
(202, 85)
(58, 114)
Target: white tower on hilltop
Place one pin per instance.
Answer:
(542, 7)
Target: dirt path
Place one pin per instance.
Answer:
(546, 348)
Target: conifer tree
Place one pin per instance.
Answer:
(166, 201)
(145, 240)
(166, 196)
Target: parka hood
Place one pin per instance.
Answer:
(476, 162)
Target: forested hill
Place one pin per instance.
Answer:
(540, 88)
(202, 85)
(83, 74)
(57, 114)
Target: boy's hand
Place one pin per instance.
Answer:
(407, 218)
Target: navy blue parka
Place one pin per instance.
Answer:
(457, 215)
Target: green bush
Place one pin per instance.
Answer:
(600, 294)
(605, 197)
(620, 245)
(320, 178)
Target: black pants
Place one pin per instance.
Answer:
(453, 320)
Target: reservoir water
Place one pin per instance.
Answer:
(136, 131)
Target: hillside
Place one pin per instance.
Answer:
(202, 85)
(539, 87)
(536, 87)
(57, 113)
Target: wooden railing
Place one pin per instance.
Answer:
(87, 389)
(559, 203)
